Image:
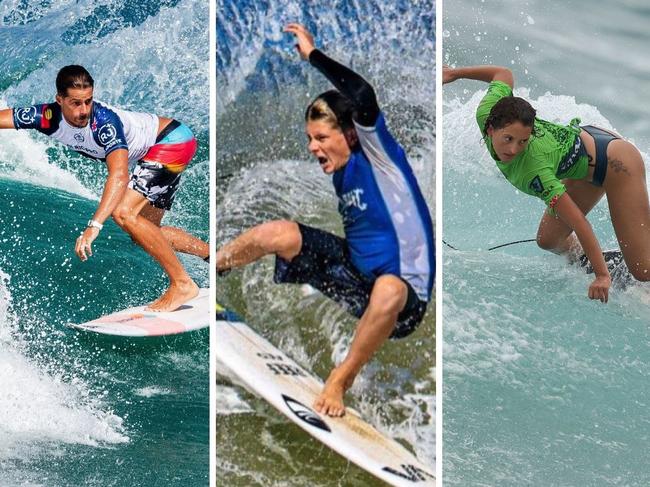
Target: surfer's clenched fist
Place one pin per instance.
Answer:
(599, 288)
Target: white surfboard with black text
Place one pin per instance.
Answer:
(271, 374)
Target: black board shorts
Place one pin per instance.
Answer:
(324, 263)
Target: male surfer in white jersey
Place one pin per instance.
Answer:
(160, 148)
(383, 270)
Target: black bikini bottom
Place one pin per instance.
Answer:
(602, 138)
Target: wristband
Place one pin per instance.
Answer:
(95, 224)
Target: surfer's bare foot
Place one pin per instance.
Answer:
(330, 400)
(176, 295)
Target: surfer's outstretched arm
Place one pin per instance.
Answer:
(7, 119)
(480, 73)
(352, 85)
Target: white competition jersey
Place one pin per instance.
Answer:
(108, 129)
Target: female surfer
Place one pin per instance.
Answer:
(383, 270)
(570, 167)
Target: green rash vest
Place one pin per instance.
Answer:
(537, 169)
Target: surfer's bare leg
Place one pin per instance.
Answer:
(149, 236)
(555, 235)
(627, 196)
(387, 300)
(280, 237)
(179, 239)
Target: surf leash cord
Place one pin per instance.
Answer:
(495, 247)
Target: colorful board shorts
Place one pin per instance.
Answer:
(324, 263)
(158, 173)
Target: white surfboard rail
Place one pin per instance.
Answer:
(271, 374)
(138, 322)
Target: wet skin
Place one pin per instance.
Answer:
(329, 145)
(509, 141)
(76, 106)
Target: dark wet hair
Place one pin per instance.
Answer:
(73, 76)
(332, 107)
(508, 110)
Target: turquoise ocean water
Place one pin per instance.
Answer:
(265, 172)
(73, 410)
(540, 385)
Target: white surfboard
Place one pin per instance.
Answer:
(136, 322)
(271, 374)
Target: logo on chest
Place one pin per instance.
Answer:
(79, 137)
(107, 134)
(353, 199)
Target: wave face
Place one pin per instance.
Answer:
(71, 408)
(265, 172)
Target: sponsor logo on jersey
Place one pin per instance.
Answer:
(305, 414)
(26, 116)
(536, 185)
(107, 134)
(353, 198)
(571, 158)
(79, 137)
(45, 119)
(85, 150)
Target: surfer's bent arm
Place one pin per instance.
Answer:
(480, 73)
(570, 214)
(117, 163)
(116, 184)
(7, 119)
(357, 89)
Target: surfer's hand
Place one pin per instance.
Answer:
(599, 289)
(83, 247)
(305, 40)
(447, 74)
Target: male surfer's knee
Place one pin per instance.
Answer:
(124, 216)
(279, 237)
(388, 295)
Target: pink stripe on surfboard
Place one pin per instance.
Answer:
(152, 324)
